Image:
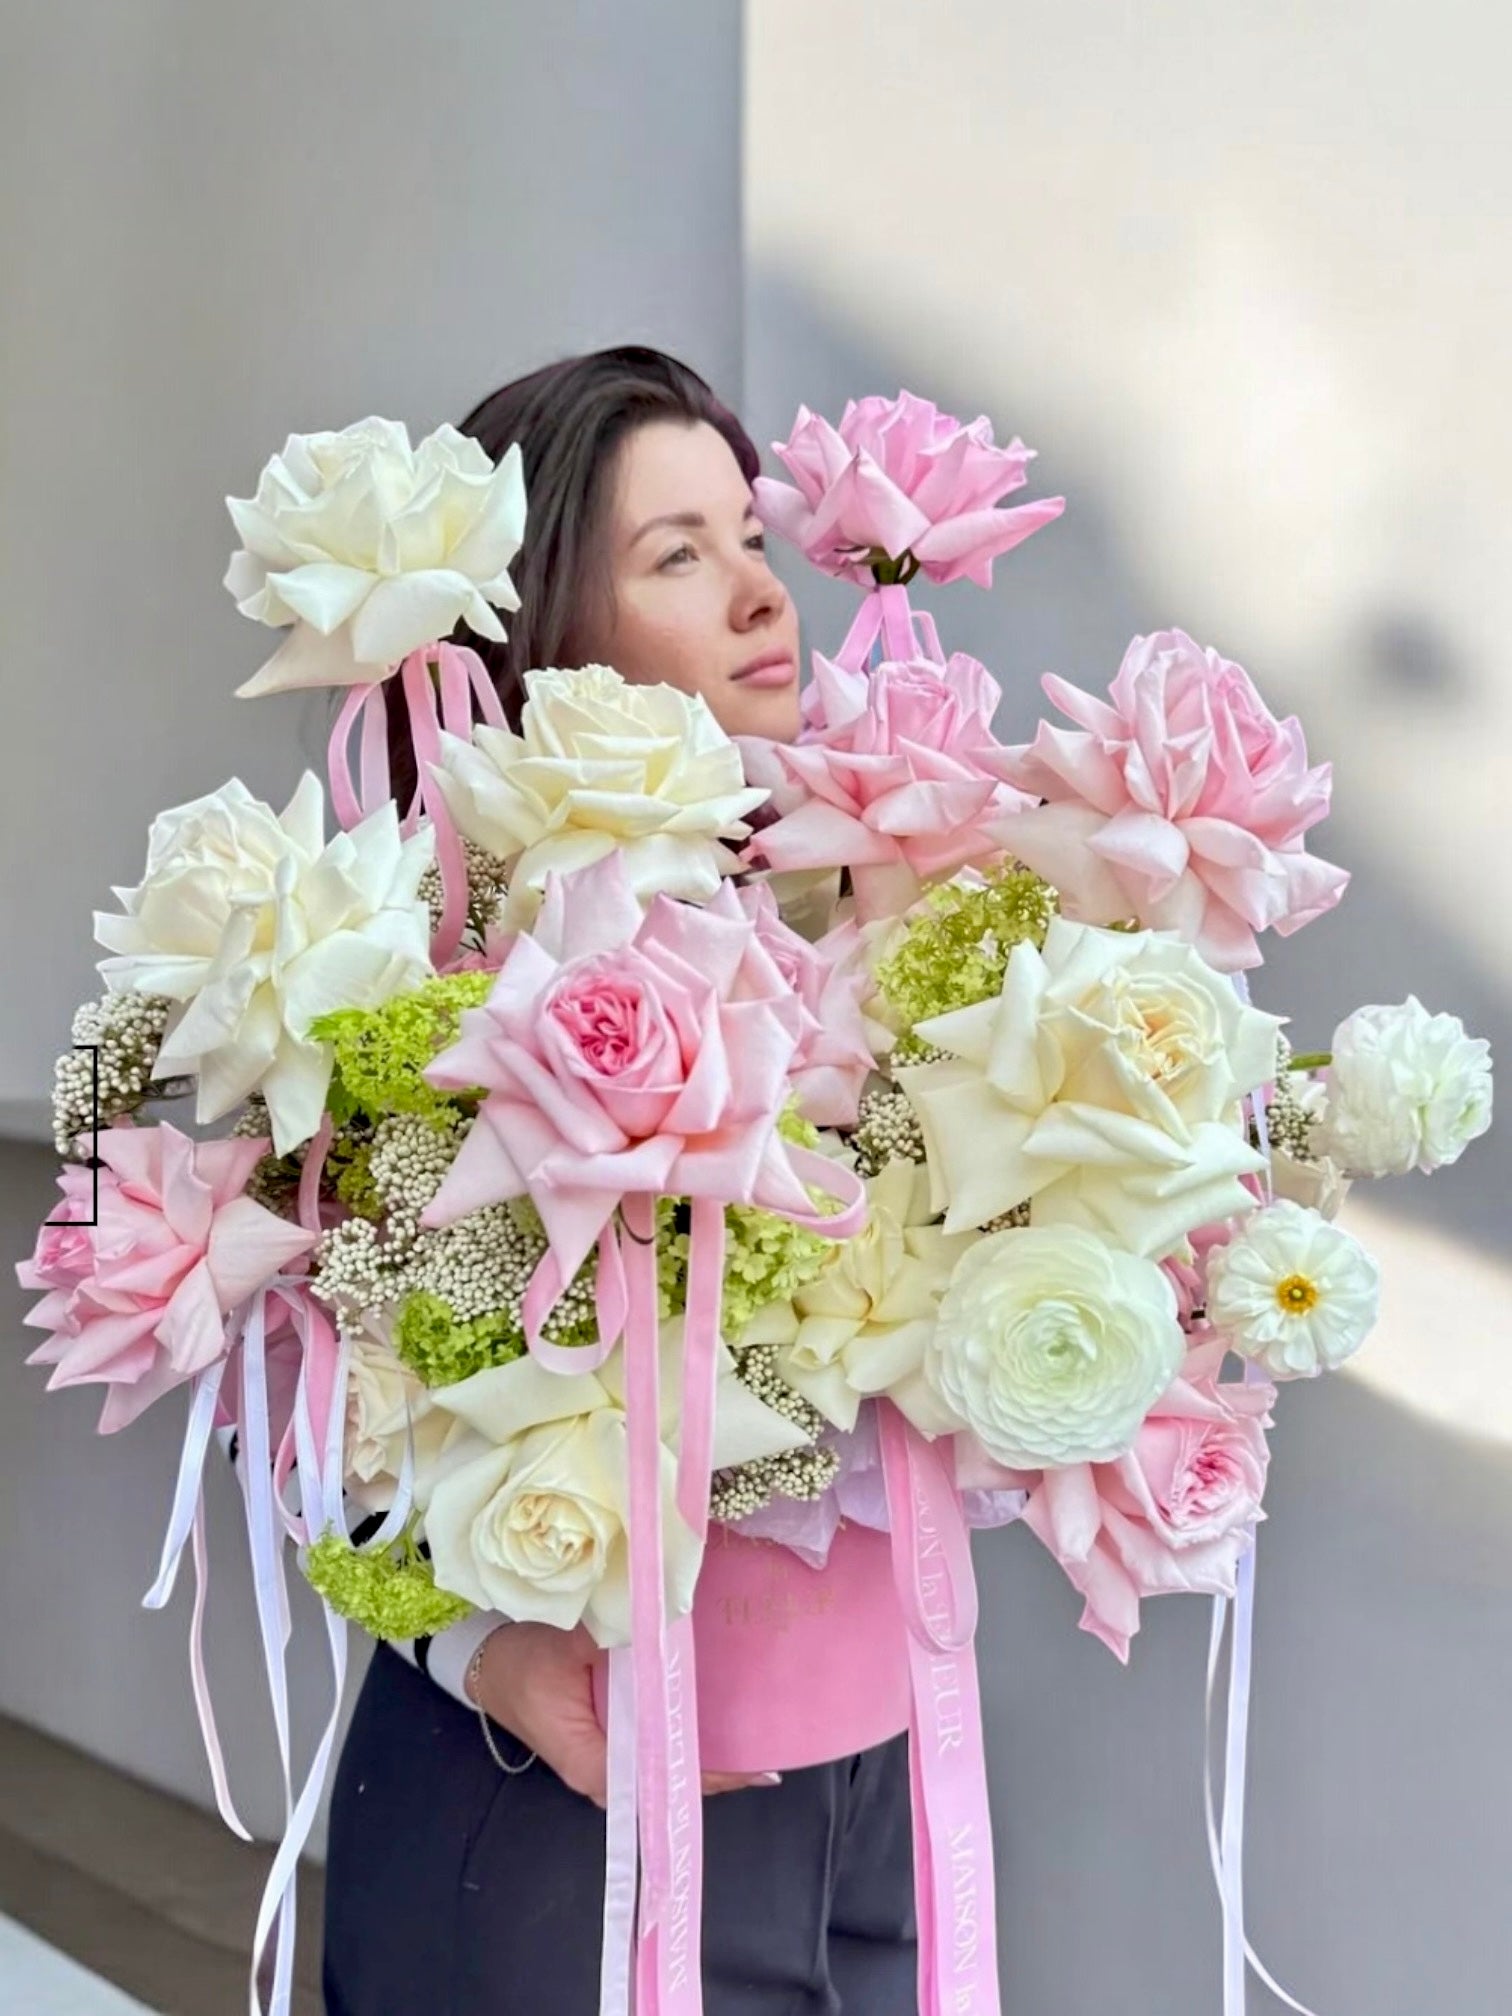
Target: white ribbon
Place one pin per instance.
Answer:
(1226, 1838)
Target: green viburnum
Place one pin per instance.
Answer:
(381, 1052)
(440, 1349)
(352, 1162)
(767, 1257)
(390, 1595)
(955, 951)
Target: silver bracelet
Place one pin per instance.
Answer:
(470, 1688)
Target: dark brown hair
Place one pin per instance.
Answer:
(569, 419)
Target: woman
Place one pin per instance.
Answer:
(458, 1883)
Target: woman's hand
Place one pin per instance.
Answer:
(537, 1682)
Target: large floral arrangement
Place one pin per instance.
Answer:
(567, 1196)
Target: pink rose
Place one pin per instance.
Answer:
(833, 1059)
(177, 1247)
(1189, 1276)
(1181, 801)
(64, 1252)
(898, 477)
(1171, 1517)
(622, 1055)
(899, 782)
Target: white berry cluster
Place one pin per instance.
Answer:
(887, 1130)
(126, 1030)
(479, 1265)
(487, 884)
(804, 1474)
(1292, 1112)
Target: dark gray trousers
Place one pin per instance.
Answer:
(453, 1890)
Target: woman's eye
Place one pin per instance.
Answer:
(679, 553)
(757, 542)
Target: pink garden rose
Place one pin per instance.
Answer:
(833, 1059)
(898, 476)
(139, 1301)
(899, 781)
(1187, 1272)
(623, 1055)
(1180, 801)
(1172, 1516)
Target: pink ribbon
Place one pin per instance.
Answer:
(954, 1883)
(661, 1803)
(655, 1796)
(463, 678)
(905, 632)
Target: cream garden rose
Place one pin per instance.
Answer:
(1406, 1090)
(526, 1506)
(1293, 1292)
(370, 549)
(1053, 1346)
(256, 924)
(600, 765)
(1102, 1086)
(387, 1406)
(863, 1326)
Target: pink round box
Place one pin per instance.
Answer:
(796, 1665)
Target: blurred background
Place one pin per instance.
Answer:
(1241, 276)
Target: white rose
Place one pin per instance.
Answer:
(371, 548)
(1293, 1292)
(256, 925)
(601, 766)
(1102, 1086)
(526, 1510)
(1406, 1090)
(862, 1327)
(1053, 1346)
(386, 1404)
(536, 1529)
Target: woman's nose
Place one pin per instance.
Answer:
(758, 594)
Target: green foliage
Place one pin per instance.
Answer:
(379, 1053)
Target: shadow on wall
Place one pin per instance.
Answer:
(1068, 602)
(1380, 1774)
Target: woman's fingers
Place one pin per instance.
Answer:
(729, 1781)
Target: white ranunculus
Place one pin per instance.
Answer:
(1102, 1086)
(386, 1404)
(1053, 1346)
(255, 925)
(526, 1510)
(600, 765)
(1293, 1292)
(1406, 1090)
(371, 548)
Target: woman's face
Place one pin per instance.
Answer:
(695, 604)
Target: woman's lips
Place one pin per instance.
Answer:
(776, 669)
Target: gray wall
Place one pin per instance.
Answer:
(221, 225)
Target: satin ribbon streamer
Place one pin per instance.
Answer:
(311, 1448)
(655, 1797)
(463, 678)
(1226, 1837)
(954, 1884)
(904, 632)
